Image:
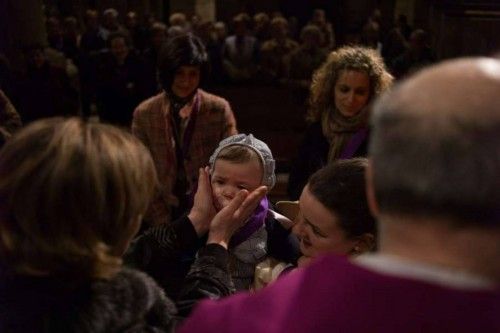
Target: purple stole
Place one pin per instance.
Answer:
(254, 223)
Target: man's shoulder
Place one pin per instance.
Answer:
(335, 293)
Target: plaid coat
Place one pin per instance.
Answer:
(151, 124)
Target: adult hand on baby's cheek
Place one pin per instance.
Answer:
(203, 209)
(233, 216)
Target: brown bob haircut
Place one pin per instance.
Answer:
(71, 193)
(340, 187)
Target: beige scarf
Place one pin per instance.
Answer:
(339, 129)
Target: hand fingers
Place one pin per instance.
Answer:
(206, 177)
(251, 201)
(202, 181)
(236, 202)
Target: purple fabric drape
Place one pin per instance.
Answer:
(255, 221)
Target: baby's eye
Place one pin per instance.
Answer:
(219, 181)
(242, 187)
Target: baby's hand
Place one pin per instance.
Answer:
(203, 209)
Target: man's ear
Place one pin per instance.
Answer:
(370, 190)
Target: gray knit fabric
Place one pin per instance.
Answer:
(245, 256)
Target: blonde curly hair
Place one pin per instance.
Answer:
(346, 58)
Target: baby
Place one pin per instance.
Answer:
(244, 162)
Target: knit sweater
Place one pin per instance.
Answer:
(129, 302)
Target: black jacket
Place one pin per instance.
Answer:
(312, 156)
(168, 252)
(129, 302)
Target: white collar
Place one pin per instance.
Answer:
(448, 277)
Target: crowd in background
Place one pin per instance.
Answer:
(108, 62)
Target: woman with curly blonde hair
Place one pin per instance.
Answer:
(342, 90)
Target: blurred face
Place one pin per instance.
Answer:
(37, 59)
(53, 27)
(110, 21)
(318, 229)
(158, 38)
(280, 31)
(186, 81)
(312, 41)
(131, 20)
(119, 49)
(319, 16)
(229, 178)
(352, 92)
(417, 44)
(240, 28)
(92, 21)
(220, 31)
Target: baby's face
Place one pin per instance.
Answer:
(228, 178)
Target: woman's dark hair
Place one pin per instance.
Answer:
(183, 50)
(340, 187)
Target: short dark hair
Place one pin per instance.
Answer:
(183, 50)
(341, 188)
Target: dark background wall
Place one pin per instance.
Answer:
(465, 28)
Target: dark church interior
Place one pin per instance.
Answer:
(271, 103)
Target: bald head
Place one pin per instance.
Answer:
(467, 87)
(436, 143)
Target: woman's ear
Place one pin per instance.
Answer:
(370, 190)
(362, 244)
(366, 243)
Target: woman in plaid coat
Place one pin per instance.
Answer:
(181, 126)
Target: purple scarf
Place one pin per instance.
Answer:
(354, 143)
(254, 222)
